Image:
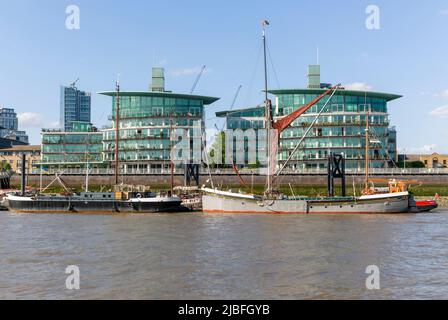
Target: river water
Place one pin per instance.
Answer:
(199, 256)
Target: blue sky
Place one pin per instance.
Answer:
(407, 55)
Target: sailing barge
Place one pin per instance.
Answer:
(395, 199)
(94, 202)
(216, 201)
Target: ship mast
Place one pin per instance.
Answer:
(268, 115)
(367, 150)
(171, 160)
(117, 131)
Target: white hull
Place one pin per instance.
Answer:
(234, 203)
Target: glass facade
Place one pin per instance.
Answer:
(8, 119)
(392, 142)
(9, 126)
(72, 149)
(146, 120)
(75, 106)
(339, 129)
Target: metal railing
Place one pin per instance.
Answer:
(244, 171)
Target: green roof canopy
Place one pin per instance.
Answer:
(206, 100)
(356, 93)
(370, 94)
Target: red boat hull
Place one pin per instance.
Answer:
(425, 206)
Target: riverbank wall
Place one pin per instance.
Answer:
(228, 179)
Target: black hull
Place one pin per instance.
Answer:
(82, 206)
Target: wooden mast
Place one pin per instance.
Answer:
(367, 150)
(117, 132)
(268, 113)
(171, 151)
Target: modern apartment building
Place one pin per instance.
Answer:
(146, 119)
(9, 126)
(75, 105)
(339, 129)
(77, 148)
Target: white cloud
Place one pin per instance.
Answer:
(440, 112)
(34, 120)
(188, 71)
(444, 93)
(358, 86)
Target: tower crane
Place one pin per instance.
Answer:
(236, 96)
(73, 84)
(198, 78)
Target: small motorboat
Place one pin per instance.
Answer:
(424, 206)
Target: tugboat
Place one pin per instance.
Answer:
(220, 201)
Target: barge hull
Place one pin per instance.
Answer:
(79, 206)
(223, 204)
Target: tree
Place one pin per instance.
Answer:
(5, 166)
(411, 164)
(218, 146)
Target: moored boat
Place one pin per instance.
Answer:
(398, 200)
(216, 201)
(93, 202)
(424, 206)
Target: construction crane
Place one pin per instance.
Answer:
(73, 84)
(198, 78)
(236, 96)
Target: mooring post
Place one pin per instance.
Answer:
(23, 174)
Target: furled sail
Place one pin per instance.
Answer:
(285, 122)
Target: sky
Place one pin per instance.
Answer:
(406, 53)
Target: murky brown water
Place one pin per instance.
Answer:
(196, 256)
